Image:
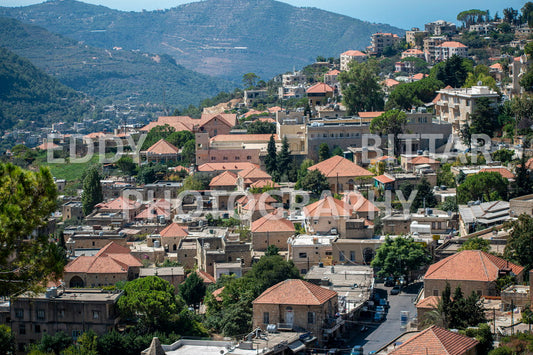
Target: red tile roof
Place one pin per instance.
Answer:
(436, 341)
(497, 66)
(247, 198)
(328, 207)
(265, 183)
(295, 292)
(422, 160)
(384, 179)
(162, 147)
(413, 51)
(359, 203)
(502, 171)
(339, 166)
(470, 265)
(428, 302)
(119, 203)
(227, 178)
(47, 145)
(371, 114)
(354, 53)
(226, 166)
(111, 259)
(333, 72)
(390, 82)
(320, 88)
(272, 222)
(186, 123)
(206, 277)
(217, 293)
(452, 44)
(254, 173)
(174, 230)
(153, 211)
(243, 138)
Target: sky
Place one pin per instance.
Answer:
(404, 14)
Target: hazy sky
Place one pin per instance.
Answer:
(400, 13)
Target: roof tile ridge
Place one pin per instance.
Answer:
(479, 252)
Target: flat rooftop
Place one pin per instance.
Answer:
(78, 295)
(162, 271)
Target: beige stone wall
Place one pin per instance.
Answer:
(97, 242)
(261, 240)
(521, 205)
(482, 288)
(359, 249)
(305, 257)
(96, 280)
(300, 315)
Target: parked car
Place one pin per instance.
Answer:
(390, 282)
(357, 350)
(380, 309)
(395, 290)
(379, 316)
(383, 302)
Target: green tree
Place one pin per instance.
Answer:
(522, 184)
(445, 176)
(7, 340)
(519, 247)
(449, 204)
(272, 250)
(270, 159)
(261, 127)
(390, 122)
(126, 165)
(481, 74)
(360, 88)
(188, 153)
(53, 343)
(405, 96)
(503, 155)
(283, 159)
(485, 186)
(323, 152)
(476, 243)
(337, 151)
(86, 344)
(249, 80)
(399, 256)
(26, 201)
(483, 334)
(484, 119)
(424, 197)
(453, 71)
(314, 181)
(151, 173)
(151, 300)
(193, 289)
(92, 191)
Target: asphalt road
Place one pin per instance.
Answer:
(380, 334)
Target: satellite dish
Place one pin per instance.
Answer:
(479, 83)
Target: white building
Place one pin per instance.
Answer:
(450, 48)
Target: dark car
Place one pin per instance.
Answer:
(390, 282)
(395, 290)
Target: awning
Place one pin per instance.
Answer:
(297, 346)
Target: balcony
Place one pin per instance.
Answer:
(332, 324)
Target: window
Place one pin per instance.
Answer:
(61, 313)
(37, 328)
(96, 314)
(76, 334)
(266, 318)
(435, 292)
(237, 158)
(22, 329)
(19, 313)
(249, 157)
(302, 255)
(479, 292)
(40, 314)
(303, 271)
(352, 255)
(310, 317)
(328, 253)
(341, 256)
(213, 158)
(225, 158)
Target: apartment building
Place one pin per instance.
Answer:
(349, 56)
(456, 105)
(410, 36)
(440, 27)
(380, 41)
(446, 50)
(73, 311)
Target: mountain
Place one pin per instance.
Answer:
(30, 98)
(109, 73)
(218, 37)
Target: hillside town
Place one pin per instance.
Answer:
(378, 202)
